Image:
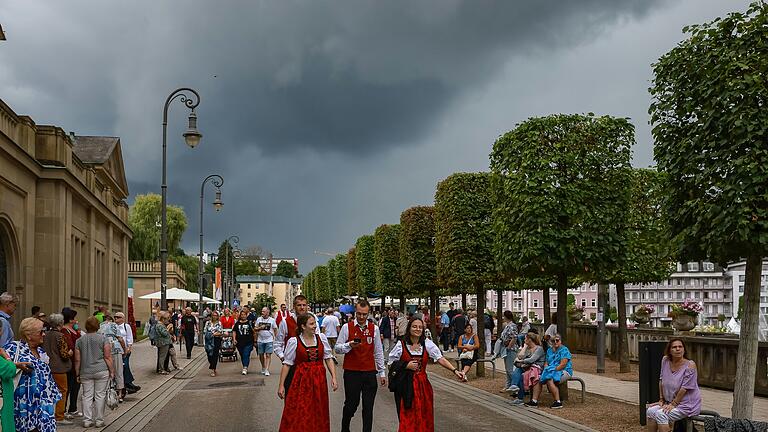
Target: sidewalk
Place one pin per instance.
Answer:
(143, 362)
(627, 391)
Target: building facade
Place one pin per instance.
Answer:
(703, 282)
(63, 218)
(281, 288)
(144, 278)
(737, 272)
(269, 264)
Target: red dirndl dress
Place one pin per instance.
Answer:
(420, 417)
(307, 398)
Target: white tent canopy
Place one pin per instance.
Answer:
(178, 294)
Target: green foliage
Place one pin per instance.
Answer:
(340, 278)
(263, 300)
(286, 269)
(307, 287)
(710, 126)
(571, 300)
(322, 289)
(333, 291)
(417, 251)
(613, 314)
(740, 311)
(364, 265)
(558, 193)
(386, 257)
(226, 260)
(248, 266)
(352, 272)
(191, 267)
(144, 218)
(463, 231)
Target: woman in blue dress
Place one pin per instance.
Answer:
(34, 400)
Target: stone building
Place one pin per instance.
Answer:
(63, 218)
(281, 288)
(144, 278)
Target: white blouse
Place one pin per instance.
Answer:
(432, 350)
(290, 349)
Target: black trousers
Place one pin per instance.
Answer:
(74, 391)
(358, 383)
(213, 354)
(189, 341)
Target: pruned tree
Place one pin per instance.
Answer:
(341, 279)
(286, 269)
(709, 122)
(650, 253)
(322, 291)
(386, 257)
(464, 237)
(364, 267)
(144, 220)
(307, 287)
(559, 192)
(352, 271)
(417, 254)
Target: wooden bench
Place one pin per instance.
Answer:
(493, 364)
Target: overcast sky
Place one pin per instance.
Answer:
(328, 118)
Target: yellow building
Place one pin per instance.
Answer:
(63, 218)
(144, 278)
(281, 288)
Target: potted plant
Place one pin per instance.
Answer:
(643, 314)
(684, 315)
(575, 313)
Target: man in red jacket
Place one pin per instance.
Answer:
(360, 342)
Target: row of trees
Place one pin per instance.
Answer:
(562, 202)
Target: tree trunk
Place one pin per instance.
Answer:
(498, 313)
(464, 301)
(562, 307)
(562, 320)
(602, 308)
(623, 342)
(433, 314)
(547, 309)
(480, 292)
(746, 360)
(402, 303)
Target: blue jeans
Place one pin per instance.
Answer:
(245, 354)
(517, 379)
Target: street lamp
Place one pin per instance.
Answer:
(192, 138)
(227, 285)
(217, 181)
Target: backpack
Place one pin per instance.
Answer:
(488, 322)
(152, 334)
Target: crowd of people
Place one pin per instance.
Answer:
(58, 365)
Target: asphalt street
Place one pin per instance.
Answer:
(233, 402)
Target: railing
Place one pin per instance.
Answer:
(154, 267)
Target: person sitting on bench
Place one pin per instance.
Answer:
(557, 370)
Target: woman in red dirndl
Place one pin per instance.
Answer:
(307, 394)
(413, 354)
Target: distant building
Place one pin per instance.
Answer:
(269, 264)
(281, 288)
(63, 218)
(703, 282)
(144, 278)
(737, 272)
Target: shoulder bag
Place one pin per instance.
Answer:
(112, 400)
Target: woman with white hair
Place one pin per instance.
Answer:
(60, 355)
(33, 408)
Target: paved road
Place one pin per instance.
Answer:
(232, 402)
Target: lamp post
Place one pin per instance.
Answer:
(192, 138)
(217, 181)
(227, 261)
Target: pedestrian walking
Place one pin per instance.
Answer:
(227, 321)
(408, 360)
(458, 322)
(126, 332)
(243, 338)
(267, 329)
(71, 332)
(508, 348)
(188, 330)
(213, 334)
(445, 331)
(8, 303)
(60, 361)
(331, 326)
(94, 367)
(388, 330)
(306, 395)
(282, 313)
(286, 328)
(360, 342)
(163, 342)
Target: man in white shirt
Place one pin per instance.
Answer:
(286, 328)
(267, 329)
(125, 330)
(331, 326)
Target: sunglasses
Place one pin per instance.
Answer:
(556, 340)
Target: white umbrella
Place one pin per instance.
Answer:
(170, 294)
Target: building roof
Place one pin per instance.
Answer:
(267, 279)
(94, 149)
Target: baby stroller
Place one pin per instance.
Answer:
(228, 349)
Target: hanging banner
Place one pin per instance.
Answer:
(218, 283)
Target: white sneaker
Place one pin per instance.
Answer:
(87, 424)
(266, 373)
(245, 371)
(99, 423)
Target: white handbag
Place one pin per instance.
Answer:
(112, 400)
(467, 355)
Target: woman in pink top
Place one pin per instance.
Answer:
(678, 387)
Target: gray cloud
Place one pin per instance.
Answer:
(327, 118)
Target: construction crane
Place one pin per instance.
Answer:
(330, 254)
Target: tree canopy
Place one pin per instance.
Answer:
(559, 193)
(352, 271)
(710, 126)
(364, 266)
(340, 278)
(285, 269)
(386, 257)
(417, 251)
(144, 220)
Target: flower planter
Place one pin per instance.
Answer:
(684, 322)
(575, 316)
(642, 318)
